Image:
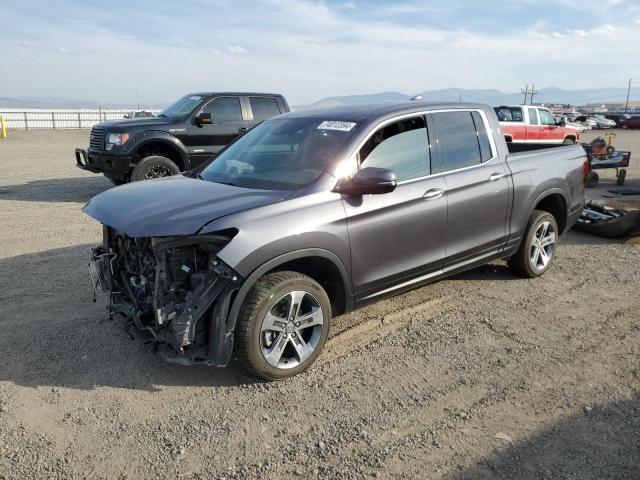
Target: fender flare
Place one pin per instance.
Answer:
(158, 136)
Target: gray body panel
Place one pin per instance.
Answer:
(385, 243)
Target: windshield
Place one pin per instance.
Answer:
(280, 154)
(182, 107)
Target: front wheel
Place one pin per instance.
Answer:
(154, 166)
(569, 141)
(283, 325)
(538, 248)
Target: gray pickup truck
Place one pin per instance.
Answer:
(310, 215)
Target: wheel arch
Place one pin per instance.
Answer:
(555, 203)
(322, 265)
(165, 145)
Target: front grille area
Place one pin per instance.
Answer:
(96, 140)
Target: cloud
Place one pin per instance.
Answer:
(237, 50)
(308, 50)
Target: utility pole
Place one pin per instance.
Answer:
(626, 105)
(526, 92)
(137, 98)
(533, 92)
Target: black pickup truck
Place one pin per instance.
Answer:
(181, 137)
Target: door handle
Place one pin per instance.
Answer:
(242, 129)
(497, 176)
(433, 193)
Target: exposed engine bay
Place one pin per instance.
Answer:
(173, 291)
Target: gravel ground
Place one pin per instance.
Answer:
(485, 375)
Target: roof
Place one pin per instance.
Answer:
(370, 111)
(209, 94)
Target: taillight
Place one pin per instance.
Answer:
(585, 171)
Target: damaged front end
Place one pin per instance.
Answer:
(173, 291)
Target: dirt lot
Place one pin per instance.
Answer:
(485, 375)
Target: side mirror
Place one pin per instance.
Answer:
(203, 119)
(368, 181)
(563, 122)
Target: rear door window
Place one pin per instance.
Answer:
(533, 116)
(509, 114)
(458, 144)
(264, 107)
(402, 147)
(486, 151)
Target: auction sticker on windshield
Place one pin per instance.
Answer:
(336, 125)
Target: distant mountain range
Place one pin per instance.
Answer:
(58, 102)
(492, 97)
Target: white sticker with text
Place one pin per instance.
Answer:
(336, 125)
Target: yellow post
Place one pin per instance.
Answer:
(3, 127)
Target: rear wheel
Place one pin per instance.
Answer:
(154, 166)
(538, 248)
(592, 179)
(569, 141)
(283, 325)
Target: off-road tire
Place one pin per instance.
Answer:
(259, 300)
(146, 166)
(519, 262)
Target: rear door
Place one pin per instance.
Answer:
(477, 185)
(227, 122)
(533, 125)
(397, 238)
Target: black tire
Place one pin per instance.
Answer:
(592, 179)
(153, 166)
(118, 181)
(265, 295)
(569, 141)
(622, 174)
(521, 262)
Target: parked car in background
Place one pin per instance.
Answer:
(138, 114)
(616, 117)
(631, 121)
(313, 214)
(587, 120)
(603, 122)
(535, 125)
(183, 136)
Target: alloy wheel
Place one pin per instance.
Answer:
(542, 246)
(157, 171)
(291, 329)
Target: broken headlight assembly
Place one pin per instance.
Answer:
(173, 290)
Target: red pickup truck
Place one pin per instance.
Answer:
(531, 125)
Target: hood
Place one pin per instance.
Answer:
(176, 205)
(138, 122)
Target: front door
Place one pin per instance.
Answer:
(227, 123)
(397, 238)
(549, 128)
(477, 184)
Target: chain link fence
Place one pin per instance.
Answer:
(61, 118)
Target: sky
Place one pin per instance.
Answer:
(104, 51)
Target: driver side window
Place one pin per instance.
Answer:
(224, 110)
(547, 118)
(402, 147)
